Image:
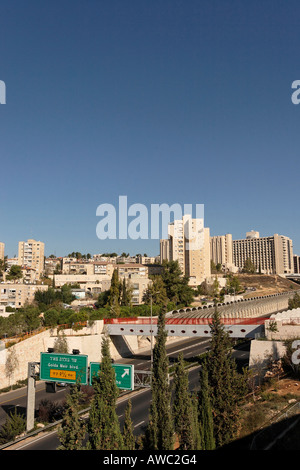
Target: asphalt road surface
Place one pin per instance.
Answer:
(140, 399)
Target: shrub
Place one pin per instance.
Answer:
(49, 412)
(14, 426)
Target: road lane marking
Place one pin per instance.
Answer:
(188, 347)
(139, 424)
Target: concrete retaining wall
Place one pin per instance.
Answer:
(88, 340)
(261, 351)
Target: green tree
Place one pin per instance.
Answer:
(176, 284)
(31, 317)
(72, 430)
(183, 408)
(233, 284)
(65, 294)
(206, 426)
(15, 424)
(294, 302)
(3, 265)
(113, 301)
(126, 294)
(15, 272)
(102, 299)
(215, 288)
(157, 291)
(61, 344)
(128, 437)
(197, 436)
(160, 431)
(104, 427)
(249, 267)
(225, 385)
(51, 317)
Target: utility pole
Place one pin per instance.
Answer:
(30, 396)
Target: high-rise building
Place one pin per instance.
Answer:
(270, 255)
(2, 247)
(221, 250)
(164, 250)
(31, 254)
(296, 264)
(188, 243)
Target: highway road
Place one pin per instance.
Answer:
(17, 398)
(140, 398)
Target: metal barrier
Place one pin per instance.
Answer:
(267, 437)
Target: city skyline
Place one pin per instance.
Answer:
(169, 102)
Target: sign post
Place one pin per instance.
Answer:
(67, 368)
(124, 374)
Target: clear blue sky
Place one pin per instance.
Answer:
(163, 101)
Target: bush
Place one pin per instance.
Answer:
(49, 412)
(51, 317)
(13, 427)
(255, 419)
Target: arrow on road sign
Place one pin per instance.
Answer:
(126, 372)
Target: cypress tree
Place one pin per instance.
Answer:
(114, 294)
(206, 425)
(197, 434)
(104, 427)
(128, 437)
(160, 431)
(126, 294)
(224, 383)
(183, 408)
(72, 431)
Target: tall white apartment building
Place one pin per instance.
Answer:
(164, 250)
(189, 244)
(31, 255)
(2, 247)
(221, 250)
(270, 255)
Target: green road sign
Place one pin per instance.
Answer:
(124, 374)
(68, 368)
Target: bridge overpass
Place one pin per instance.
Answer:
(293, 277)
(189, 327)
(242, 319)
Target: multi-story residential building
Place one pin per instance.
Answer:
(221, 250)
(29, 275)
(76, 267)
(146, 259)
(296, 264)
(17, 295)
(126, 259)
(139, 285)
(270, 255)
(108, 259)
(52, 265)
(104, 268)
(31, 255)
(128, 269)
(165, 250)
(189, 244)
(2, 248)
(11, 261)
(94, 284)
(97, 276)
